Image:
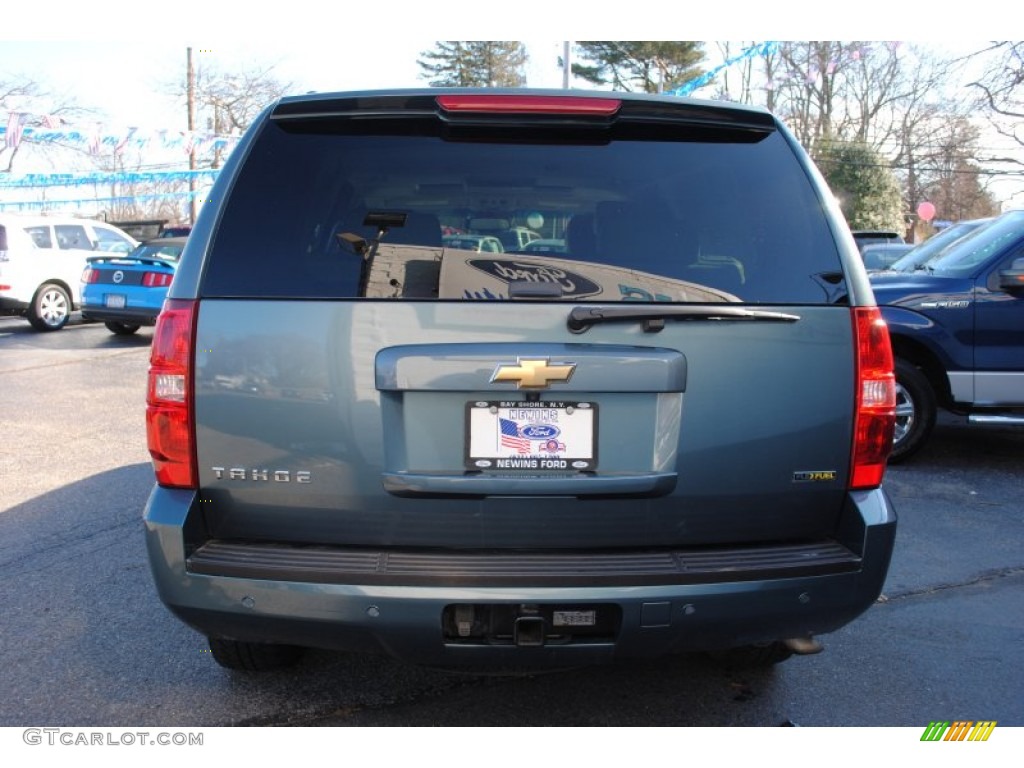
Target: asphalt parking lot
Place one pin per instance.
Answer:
(85, 640)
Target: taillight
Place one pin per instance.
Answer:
(876, 399)
(156, 279)
(170, 430)
(90, 275)
(536, 105)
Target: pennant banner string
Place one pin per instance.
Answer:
(16, 131)
(761, 49)
(40, 180)
(123, 199)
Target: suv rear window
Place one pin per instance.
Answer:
(714, 211)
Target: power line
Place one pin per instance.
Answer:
(926, 169)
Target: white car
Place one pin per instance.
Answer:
(478, 243)
(41, 263)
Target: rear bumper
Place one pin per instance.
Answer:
(130, 315)
(12, 306)
(684, 609)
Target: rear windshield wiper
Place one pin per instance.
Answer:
(654, 317)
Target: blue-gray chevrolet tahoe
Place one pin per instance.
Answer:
(669, 437)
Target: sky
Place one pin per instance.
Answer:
(132, 82)
(121, 59)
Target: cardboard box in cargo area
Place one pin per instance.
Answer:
(445, 273)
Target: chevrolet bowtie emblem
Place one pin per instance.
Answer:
(533, 374)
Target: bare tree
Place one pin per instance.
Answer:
(34, 105)
(234, 99)
(228, 101)
(738, 81)
(1001, 91)
(952, 180)
(830, 90)
(906, 112)
(805, 89)
(770, 65)
(853, 91)
(886, 97)
(129, 200)
(910, 119)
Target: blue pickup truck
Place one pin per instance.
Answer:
(957, 330)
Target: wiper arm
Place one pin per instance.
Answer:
(654, 317)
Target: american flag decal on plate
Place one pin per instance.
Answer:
(510, 437)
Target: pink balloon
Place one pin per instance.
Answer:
(926, 211)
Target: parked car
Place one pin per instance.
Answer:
(127, 292)
(366, 441)
(919, 256)
(956, 332)
(546, 245)
(480, 243)
(41, 263)
(175, 231)
(879, 256)
(517, 238)
(865, 237)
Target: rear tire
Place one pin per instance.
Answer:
(253, 657)
(121, 329)
(915, 411)
(50, 309)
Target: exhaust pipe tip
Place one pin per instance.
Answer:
(803, 646)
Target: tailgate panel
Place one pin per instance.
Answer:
(344, 423)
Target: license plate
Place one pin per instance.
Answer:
(574, 618)
(525, 436)
(115, 300)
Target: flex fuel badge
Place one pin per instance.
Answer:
(815, 476)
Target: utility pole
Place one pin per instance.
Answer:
(662, 73)
(191, 91)
(566, 66)
(216, 132)
(913, 194)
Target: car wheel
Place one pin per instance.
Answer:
(253, 657)
(121, 329)
(51, 308)
(753, 656)
(915, 410)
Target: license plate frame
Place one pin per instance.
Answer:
(548, 436)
